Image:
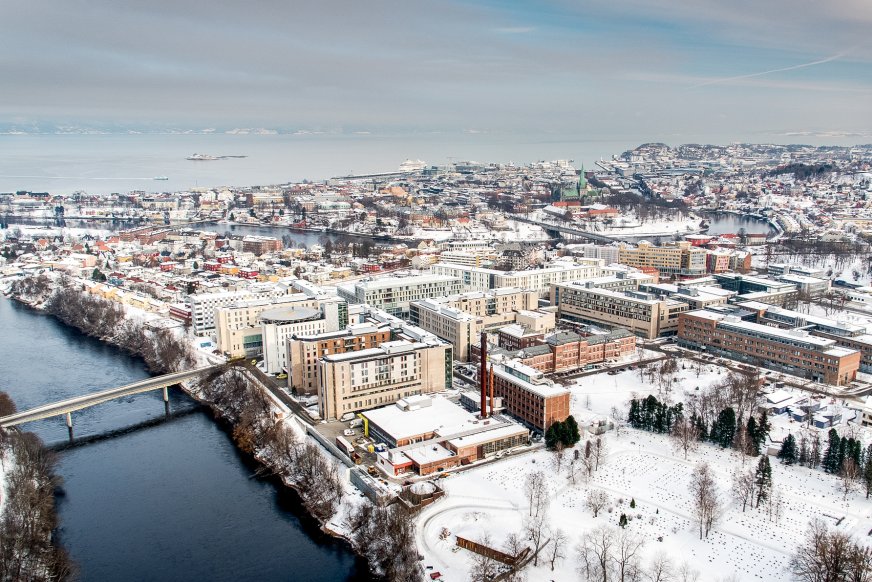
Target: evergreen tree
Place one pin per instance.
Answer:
(635, 416)
(867, 474)
(726, 428)
(787, 454)
(633, 503)
(701, 427)
(573, 435)
(763, 428)
(623, 520)
(803, 458)
(830, 462)
(552, 435)
(763, 479)
(751, 431)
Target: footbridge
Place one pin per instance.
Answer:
(573, 232)
(71, 405)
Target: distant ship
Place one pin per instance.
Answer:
(412, 166)
(160, 178)
(206, 157)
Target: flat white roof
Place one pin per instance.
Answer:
(543, 390)
(429, 453)
(489, 435)
(442, 416)
(405, 281)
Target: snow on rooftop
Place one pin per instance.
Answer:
(442, 416)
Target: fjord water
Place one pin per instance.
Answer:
(151, 498)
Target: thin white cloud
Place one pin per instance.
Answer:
(727, 80)
(516, 29)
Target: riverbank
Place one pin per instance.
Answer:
(242, 408)
(28, 512)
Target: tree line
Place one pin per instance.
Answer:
(63, 298)
(383, 535)
(27, 551)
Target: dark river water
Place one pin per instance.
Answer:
(151, 498)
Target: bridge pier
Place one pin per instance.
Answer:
(166, 398)
(70, 425)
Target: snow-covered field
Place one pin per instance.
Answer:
(644, 467)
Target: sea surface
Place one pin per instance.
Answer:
(146, 497)
(101, 164)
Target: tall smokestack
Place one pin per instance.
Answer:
(491, 382)
(483, 374)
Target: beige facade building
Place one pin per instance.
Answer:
(679, 259)
(305, 351)
(641, 313)
(460, 319)
(239, 328)
(539, 280)
(366, 379)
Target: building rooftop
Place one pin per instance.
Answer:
(500, 432)
(429, 453)
(290, 314)
(440, 416)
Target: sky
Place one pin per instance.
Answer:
(600, 67)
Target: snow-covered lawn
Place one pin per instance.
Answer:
(641, 466)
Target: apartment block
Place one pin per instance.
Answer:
(279, 325)
(846, 335)
(539, 280)
(728, 333)
(680, 259)
(305, 351)
(643, 314)
(203, 305)
(393, 294)
(460, 319)
(238, 327)
(365, 379)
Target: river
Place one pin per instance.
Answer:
(151, 498)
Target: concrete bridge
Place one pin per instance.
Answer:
(71, 405)
(573, 232)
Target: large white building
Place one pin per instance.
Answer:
(393, 294)
(540, 280)
(202, 305)
(365, 379)
(280, 324)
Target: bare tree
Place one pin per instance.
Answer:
(589, 459)
(661, 569)
(743, 487)
(558, 547)
(850, 474)
(595, 554)
(514, 545)
(686, 573)
(618, 418)
(559, 455)
(685, 436)
(536, 491)
(831, 556)
(599, 452)
(775, 507)
(484, 568)
(596, 500)
(625, 557)
(535, 529)
(706, 505)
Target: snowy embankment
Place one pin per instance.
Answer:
(644, 469)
